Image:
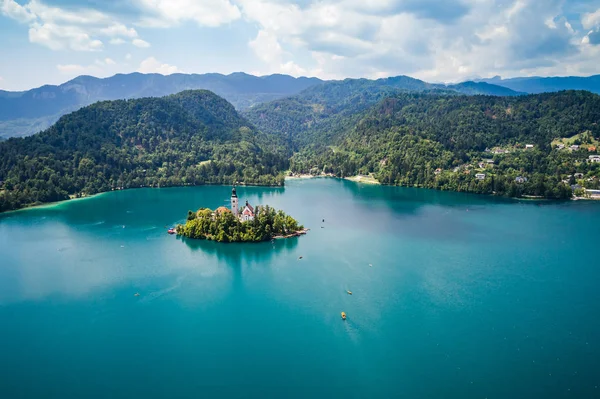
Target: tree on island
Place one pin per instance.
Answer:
(223, 226)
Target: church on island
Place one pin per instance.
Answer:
(245, 214)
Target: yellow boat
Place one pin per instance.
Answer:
(349, 292)
(343, 315)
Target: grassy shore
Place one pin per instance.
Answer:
(367, 179)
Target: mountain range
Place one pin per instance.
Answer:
(27, 112)
(534, 85)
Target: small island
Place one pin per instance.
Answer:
(249, 224)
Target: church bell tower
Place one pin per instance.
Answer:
(234, 202)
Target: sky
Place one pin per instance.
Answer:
(52, 41)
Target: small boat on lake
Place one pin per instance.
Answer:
(349, 292)
(136, 294)
(343, 315)
(171, 230)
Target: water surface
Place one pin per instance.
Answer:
(454, 296)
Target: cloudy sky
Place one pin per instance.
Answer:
(51, 41)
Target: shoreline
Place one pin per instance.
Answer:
(294, 234)
(308, 176)
(53, 203)
(365, 179)
(592, 198)
(356, 179)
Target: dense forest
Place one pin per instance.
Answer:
(535, 145)
(322, 111)
(190, 138)
(222, 226)
(438, 140)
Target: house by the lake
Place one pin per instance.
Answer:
(594, 158)
(480, 176)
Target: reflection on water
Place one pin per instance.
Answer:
(236, 253)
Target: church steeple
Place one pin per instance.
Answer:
(234, 202)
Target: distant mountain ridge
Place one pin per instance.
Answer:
(27, 112)
(536, 84)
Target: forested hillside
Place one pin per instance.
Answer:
(326, 108)
(439, 141)
(28, 112)
(194, 137)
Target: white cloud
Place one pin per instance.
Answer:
(450, 40)
(57, 37)
(140, 43)
(14, 10)
(267, 49)
(118, 30)
(109, 61)
(62, 29)
(166, 13)
(127, 56)
(590, 20)
(437, 40)
(152, 65)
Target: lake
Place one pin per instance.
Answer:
(454, 296)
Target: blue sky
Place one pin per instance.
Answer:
(52, 41)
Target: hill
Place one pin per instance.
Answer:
(27, 112)
(444, 141)
(551, 84)
(326, 107)
(194, 137)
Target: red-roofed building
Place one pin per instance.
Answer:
(247, 212)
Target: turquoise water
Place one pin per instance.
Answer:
(467, 297)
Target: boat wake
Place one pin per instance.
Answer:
(157, 294)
